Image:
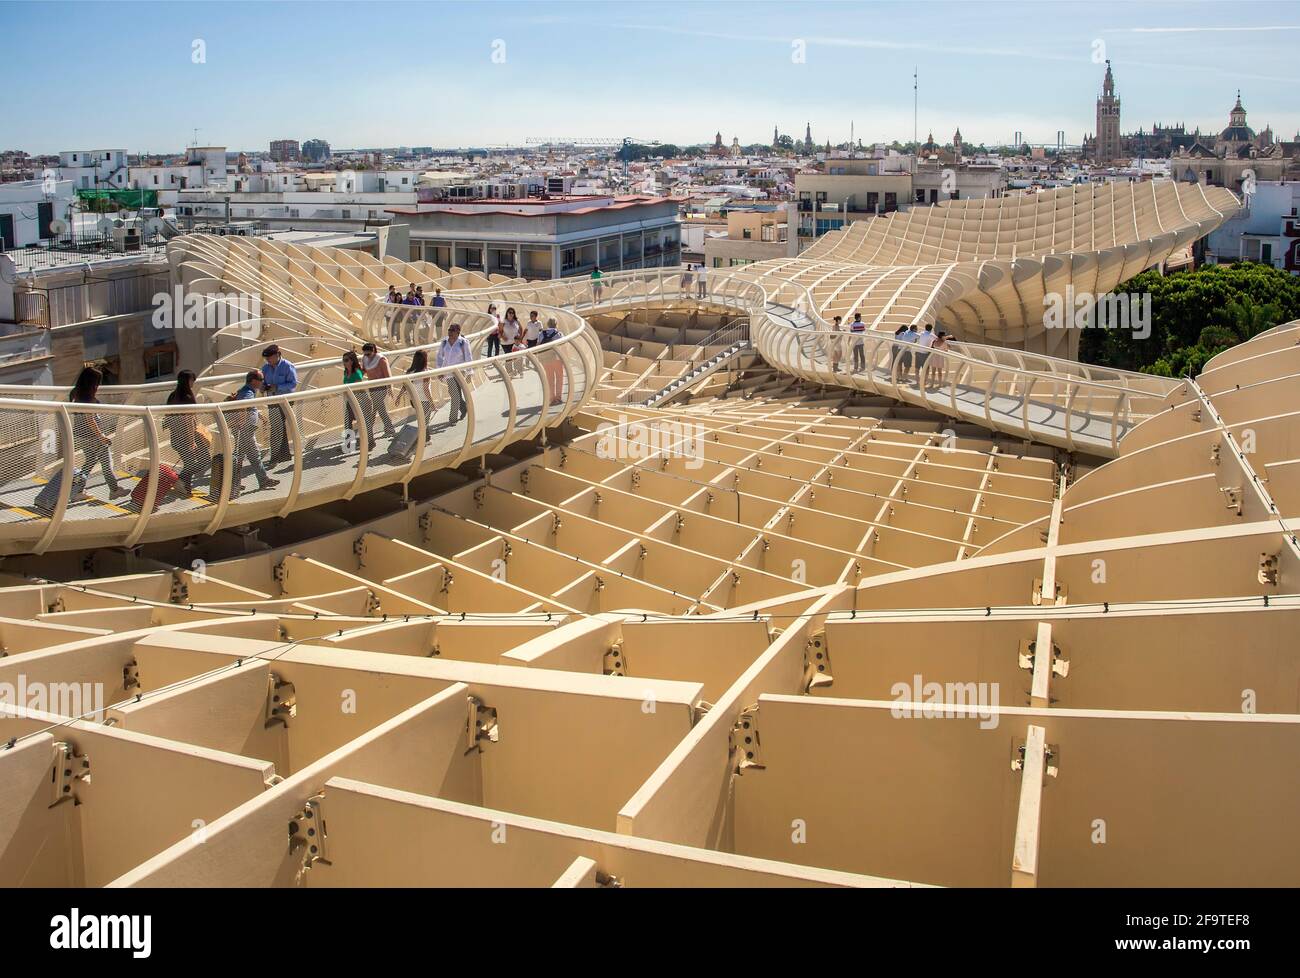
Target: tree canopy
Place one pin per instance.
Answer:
(1194, 316)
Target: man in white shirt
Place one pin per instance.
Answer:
(924, 340)
(701, 282)
(532, 331)
(908, 335)
(451, 351)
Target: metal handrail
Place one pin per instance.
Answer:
(504, 399)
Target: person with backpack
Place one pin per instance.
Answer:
(243, 425)
(88, 436)
(859, 330)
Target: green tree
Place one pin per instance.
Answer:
(1240, 301)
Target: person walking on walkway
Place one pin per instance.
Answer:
(554, 367)
(375, 366)
(280, 377)
(87, 435)
(191, 445)
(859, 330)
(494, 340)
(454, 350)
(243, 424)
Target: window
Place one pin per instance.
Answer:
(717, 263)
(747, 234)
(920, 195)
(347, 214)
(873, 198)
(159, 363)
(1266, 252)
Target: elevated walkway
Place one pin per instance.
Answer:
(331, 442)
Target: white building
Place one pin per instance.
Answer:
(28, 206)
(202, 167)
(94, 169)
(1266, 231)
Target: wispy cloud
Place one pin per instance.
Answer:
(850, 42)
(1200, 30)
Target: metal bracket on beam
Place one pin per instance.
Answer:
(359, 551)
(816, 664)
(281, 701)
(131, 676)
(1051, 758)
(180, 591)
(1061, 593)
(481, 724)
(69, 768)
(1025, 658)
(307, 832)
(745, 748)
(615, 663)
(1234, 496)
(1268, 564)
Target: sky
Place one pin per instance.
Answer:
(145, 76)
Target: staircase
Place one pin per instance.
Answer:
(734, 338)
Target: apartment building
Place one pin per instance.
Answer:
(545, 237)
(933, 182)
(201, 166)
(848, 190)
(94, 169)
(1266, 230)
(285, 150)
(752, 235)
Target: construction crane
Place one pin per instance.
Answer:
(624, 144)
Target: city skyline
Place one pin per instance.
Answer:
(509, 72)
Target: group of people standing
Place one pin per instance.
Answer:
(926, 340)
(414, 296)
(507, 334)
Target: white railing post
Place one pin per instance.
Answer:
(292, 432)
(364, 441)
(228, 447)
(66, 471)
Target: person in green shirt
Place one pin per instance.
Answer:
(352, 373)
(596, 285)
